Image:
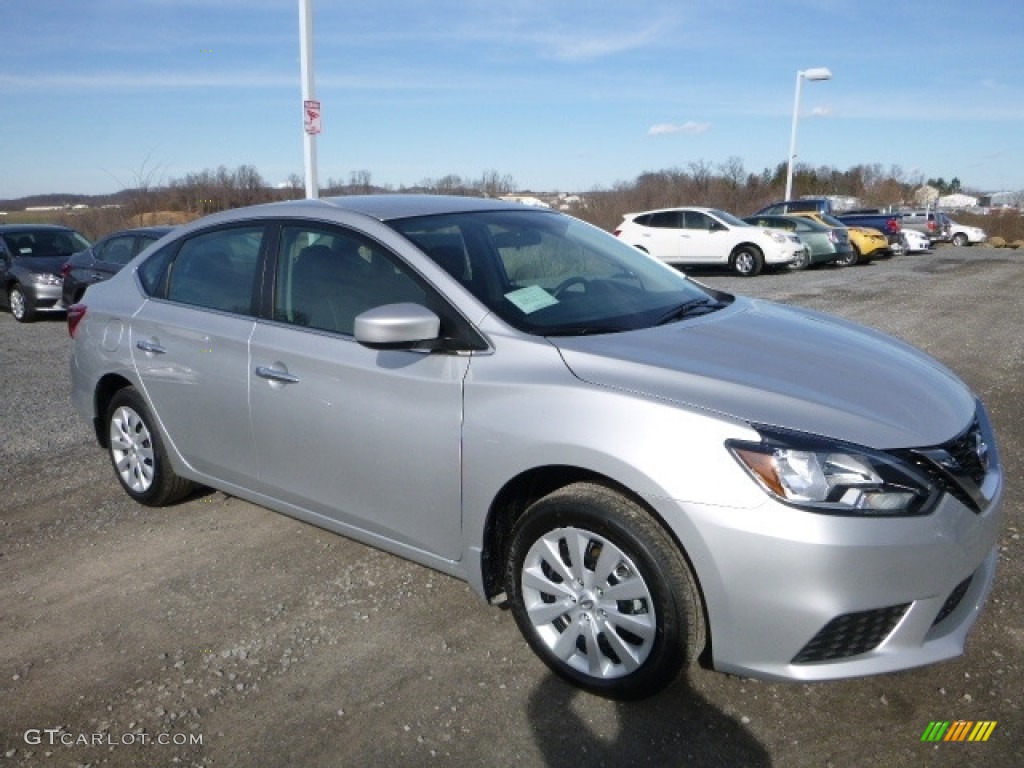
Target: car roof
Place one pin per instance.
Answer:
(387, 207)
(154, 230)
(702, 209)
(8, 228)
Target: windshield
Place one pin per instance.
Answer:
(45, 242)
(548, 274)
(728, 218)
(832, 221)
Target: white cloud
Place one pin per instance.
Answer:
(821, 112)
(689, 127)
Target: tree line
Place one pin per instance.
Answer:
(727, 185)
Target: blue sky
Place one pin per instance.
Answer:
(563, 95)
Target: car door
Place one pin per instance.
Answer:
(362, 438)
(190, 347)
(110, 256)
(661, 235)
(704, 241)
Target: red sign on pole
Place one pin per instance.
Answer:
(311, 116)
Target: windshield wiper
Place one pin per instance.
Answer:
(689, 309)
(583, 329)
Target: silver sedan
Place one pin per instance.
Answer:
(639, 466)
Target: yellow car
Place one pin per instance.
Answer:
(867, 243)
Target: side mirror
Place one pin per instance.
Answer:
(397, 326)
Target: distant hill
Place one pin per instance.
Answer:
(60, 198)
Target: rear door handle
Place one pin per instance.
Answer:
(151, 347)
(275, 374)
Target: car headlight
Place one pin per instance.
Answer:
(831, 477)
(45, 278)
(778, 237)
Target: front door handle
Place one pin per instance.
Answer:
(276, 374)
(151, 347)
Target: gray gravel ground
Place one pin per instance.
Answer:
(278, 644)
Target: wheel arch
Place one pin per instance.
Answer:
(746, 244)
(520, 492)
(106, 388)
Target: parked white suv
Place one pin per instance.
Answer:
(961, 234)
(708, 236)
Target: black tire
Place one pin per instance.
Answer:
(626, 646)
(747, 261)
(137, 453)
(849, 259)
(959, 239)
(803, 261)
(21, 304)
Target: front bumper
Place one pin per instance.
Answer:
(792, 595)
(45, 297)
(783, 253)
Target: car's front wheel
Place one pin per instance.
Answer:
(601, 593)
(21, 304)
(138, 455)
(802, 260)
(960, 239)
(747, 261)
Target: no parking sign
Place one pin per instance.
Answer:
(311, 116)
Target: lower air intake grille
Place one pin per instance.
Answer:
(953, 600)
(851, 634)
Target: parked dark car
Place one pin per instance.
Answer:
(31, 259)
(805, 205)
(104, 259)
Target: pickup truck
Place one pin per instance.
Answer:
(889, 224)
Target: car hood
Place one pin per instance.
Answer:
(41, 264)
(766, 363)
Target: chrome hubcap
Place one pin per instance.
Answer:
(588, 603)
(17, 303)
(131, 446)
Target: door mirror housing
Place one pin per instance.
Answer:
(397, 326)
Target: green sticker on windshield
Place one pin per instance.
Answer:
(531, 299)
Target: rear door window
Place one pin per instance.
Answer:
(216, 269)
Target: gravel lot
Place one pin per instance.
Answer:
(277, 644)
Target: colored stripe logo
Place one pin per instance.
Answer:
(958, 730)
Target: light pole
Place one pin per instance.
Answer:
(311, 107)
(818, 73)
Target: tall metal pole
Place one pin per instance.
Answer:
(818, 73)
(308, 94)
(792, 138)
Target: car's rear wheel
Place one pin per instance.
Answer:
(747, 261)
(601, 593)
(849, 259)
(21, 304)
(138, 455)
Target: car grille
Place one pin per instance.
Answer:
(851, 634)
(953, 600)
(960, 466)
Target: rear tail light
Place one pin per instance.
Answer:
(75, 314)
(65, 269)
(893, 225)
(833, 236)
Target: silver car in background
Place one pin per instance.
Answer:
(643, 469)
